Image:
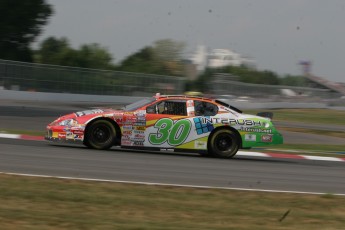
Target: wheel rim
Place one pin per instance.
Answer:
(101, 134)
(224, 142)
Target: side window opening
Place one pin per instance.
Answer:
(203, 108)
(170, 107)
(175, 108)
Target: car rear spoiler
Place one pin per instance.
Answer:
(266, 114)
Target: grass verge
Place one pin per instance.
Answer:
(316, 116)
(328, 133)
(48, 203)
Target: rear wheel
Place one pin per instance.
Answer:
(100, 135)
(224, 143)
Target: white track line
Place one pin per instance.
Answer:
(174, 185)
(319, 158)
(252, 154)
(11, 136)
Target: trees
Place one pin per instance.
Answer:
(164, 57)
(143, 61)
(57, 51)
(52, 51)
(21, 22)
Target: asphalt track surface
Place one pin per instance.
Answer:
(45, 158)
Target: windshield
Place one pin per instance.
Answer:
(229, 106)
(138, 104)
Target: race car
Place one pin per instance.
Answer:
(168, 122)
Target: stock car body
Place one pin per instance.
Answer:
(176, 123)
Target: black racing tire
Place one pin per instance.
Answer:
(101, 134)
(223, 143)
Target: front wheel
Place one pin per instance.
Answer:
(223, 143)
(100, 135)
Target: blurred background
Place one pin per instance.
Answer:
(57, 47)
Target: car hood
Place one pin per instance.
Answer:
(86, 115)
(250, 116)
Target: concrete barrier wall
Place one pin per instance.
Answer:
(65, 98)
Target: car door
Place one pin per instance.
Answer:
(166, 124)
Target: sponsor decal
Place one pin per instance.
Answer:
(126, 142)
(125, 137)
(190, 103)
(266, 138)
(142, 136)
(140, 113)
(87, 112)
(138, 131)
(227, 121)
(139, 123)
(78, 128)
(62, 135)
(138, 143)
(137, 139)
(131, 118)
(69, 135)
(202, 125)
(200, 144)
(250, 137)
(140, 128)
(78, 137)
(256, 130)
(128, 127)
(141, 119)
(78, 132)
(127, 123)
(127, 132)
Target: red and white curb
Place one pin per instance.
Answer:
(21, 136)
(239, 153)
(290, 156)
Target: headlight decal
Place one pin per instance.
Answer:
(68, 122)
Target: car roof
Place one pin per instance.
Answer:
(186, 97)
(183, 97)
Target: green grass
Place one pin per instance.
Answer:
(316, 116)
(47, 203)
(328, 133)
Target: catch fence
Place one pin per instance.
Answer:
(61, 79)
(223, 84)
